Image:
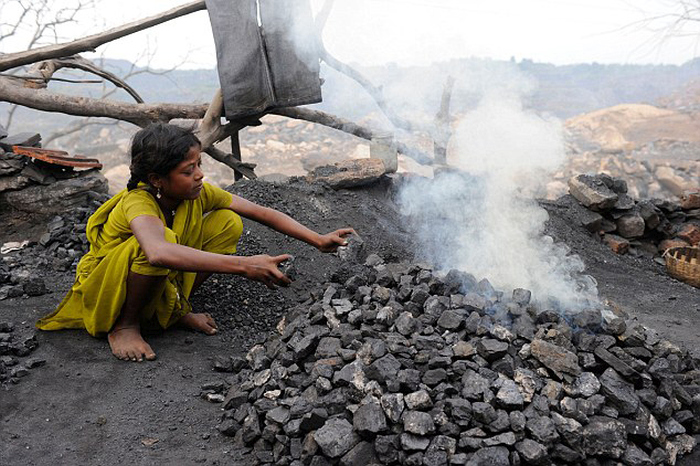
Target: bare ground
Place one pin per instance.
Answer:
(86, 407)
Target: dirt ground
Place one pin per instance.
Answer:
(86, 407)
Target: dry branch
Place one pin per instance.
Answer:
(245, 169)
(44, 71)
(347, 126)
(90, 43)
(138, 114)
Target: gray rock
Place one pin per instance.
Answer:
(569, 429)
(461, 411)
(490, 456)
(251, 427)
(522, 296)
(386, 448)
(349, 373)
(34, 286)
(418, 423)
(362, 454)
(542, 429)
(257, 359)
(336, 437)
(405, 323)
(451, 319)
(565, 454)
(279, 415)
(328, 347)
(624, 202)
(393, 405)
(586, 385)
(419, 400)
(605, 437)
(411, 442)
(369, 418)
(509, 396)
(630, 226)
(432, 377)
(313, 420)
(532, 452)
(616, 363)
(58, 197)
(589, 319)
(474, 385)
(506, 438)
(635, 456)
(555, 357)
(591, 221)
(463, 349)
(353, 250)
(672, 427)
(619, 392)
(591, 192)
(484, 412)
(384, 368)
(13, 182)
(491, 349)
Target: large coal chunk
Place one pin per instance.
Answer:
(605, 437)
(336, 437)
(619, 392)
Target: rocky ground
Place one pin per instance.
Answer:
(78, 405)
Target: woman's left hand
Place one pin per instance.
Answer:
(331, 241)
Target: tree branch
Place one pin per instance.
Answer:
(347, 126)
(245, 169)
(138, 114)
(90, 43)
(46, 69)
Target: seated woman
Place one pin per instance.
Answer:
(155, 242)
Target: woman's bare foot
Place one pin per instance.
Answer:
(198, 321)
(128, 344)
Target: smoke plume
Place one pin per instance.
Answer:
(481, 217)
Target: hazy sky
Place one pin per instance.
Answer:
(421, 31)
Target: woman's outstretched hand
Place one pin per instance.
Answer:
(263, 268)
(331, 241)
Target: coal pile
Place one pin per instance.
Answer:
(33, 185)
(396, 364)
(40, 190)
(25, 267)
(15, 347)
(642, 227)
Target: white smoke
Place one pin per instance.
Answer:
(481, 218)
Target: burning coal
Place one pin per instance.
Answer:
(483, 220)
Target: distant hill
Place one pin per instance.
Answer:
(563, 91)
(415, 92)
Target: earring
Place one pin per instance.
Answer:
(158, 194)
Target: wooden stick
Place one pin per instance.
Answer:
(90, 43)
(46, 70)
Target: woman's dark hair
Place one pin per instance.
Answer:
(158, 148)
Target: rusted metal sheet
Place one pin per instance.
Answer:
(57, 157)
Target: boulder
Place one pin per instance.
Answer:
(592, 192)
(349, 173)
(58, 197)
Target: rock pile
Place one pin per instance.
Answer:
(663, 169)
(40, 189)
(626, 224)
(35, 186)
(396, 364)
(15, 346)
(23, 268)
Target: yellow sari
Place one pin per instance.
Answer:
(95, 300)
